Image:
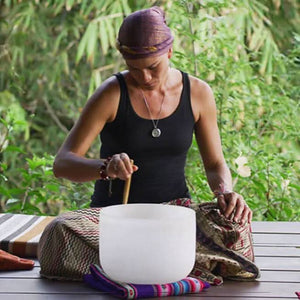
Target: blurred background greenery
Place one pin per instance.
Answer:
(54, 54)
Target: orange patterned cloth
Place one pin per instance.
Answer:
(12, 262)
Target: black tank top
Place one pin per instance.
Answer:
(161, 160)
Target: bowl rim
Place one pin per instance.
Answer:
(187, 210)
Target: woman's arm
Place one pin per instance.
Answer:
(209, 143)
(70, 161)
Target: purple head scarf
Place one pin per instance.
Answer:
(144, 33)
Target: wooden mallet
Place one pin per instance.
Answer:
(127, 187)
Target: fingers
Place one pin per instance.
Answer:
(248, 215)
(242, 212)
(227, 203)
(222, 203)
(120, 166)
(234, 207)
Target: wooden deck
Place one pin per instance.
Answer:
(277, 251)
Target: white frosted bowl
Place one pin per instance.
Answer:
(147, 243)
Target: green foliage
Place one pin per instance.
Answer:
(54, 54)
(38, 185)
(234, 51)
(31, 188)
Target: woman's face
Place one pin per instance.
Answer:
(150, 72)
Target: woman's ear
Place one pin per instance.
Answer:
(170, 52)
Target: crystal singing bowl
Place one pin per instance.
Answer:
(147, 243)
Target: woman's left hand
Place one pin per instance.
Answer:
(234, 207)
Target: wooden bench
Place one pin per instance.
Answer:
(277, 251)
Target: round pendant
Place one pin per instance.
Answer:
(156, 132)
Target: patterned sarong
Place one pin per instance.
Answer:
(69, 245)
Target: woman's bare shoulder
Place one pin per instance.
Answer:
(104, 101)
(110, 87)
(200, 87)
(202, 98)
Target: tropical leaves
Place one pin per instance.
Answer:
(103, 29)
(235, 51)
(54, 54)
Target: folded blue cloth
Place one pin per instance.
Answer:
(100, 281)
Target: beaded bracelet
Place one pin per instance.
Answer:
(103, 174)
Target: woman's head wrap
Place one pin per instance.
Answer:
(144, 33)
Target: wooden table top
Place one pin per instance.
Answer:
(277, 252)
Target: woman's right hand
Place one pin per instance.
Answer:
(120, 166)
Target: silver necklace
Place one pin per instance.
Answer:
(156, 132)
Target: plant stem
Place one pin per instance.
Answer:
(268, 185)
(190, 10)
(53, 116)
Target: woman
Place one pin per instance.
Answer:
(148, 113)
